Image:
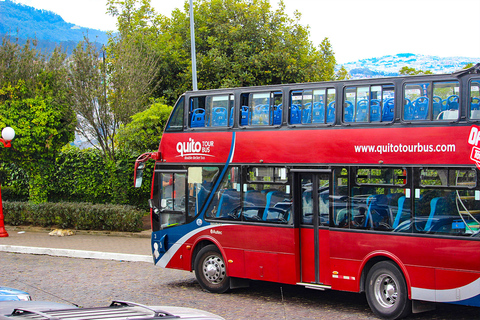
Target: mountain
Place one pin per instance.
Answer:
(23, 22)
(390, 65)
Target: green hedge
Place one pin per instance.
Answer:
(79, 216)
(84, 176)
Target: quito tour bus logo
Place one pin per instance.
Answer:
(195, 150)
(474, 139)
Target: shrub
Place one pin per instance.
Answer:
(79, 216)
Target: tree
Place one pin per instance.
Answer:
(342, 74)
(143, 134)
(42, 127)
(33, 101)
(238, 43)
(87, 83)
(409, 71)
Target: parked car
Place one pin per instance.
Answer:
(9, 294)
(117, 310)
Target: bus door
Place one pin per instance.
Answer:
(313, 194)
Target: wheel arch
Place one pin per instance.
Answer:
(199, 244)
(370, 260)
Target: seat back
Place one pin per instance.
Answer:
(198, 118)
(229, 200)
(295, 114)
(219, 117)
(331, 112)
(388, 109)
(361, 114)
(420, 108)
(375, 107)
(318, 112)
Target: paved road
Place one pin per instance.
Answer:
(94, 282)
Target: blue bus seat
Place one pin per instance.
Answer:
(420, 108)
(452, 102)
(229, 200)
(219, 117)
(307, 113)
(349, 113)
(272, 198)
(403, 202)
(295, 114)
(375, 107)
(361, 114)
(255, 198)
(260, 115)
(437, 106)
(331, 112)
(230, 121)
(198, 118)
(244, 116)
(433, 209)
(376, 210)
(408, 111)
(277, 115)
(318, 112)
(388, 109)
(475, 104)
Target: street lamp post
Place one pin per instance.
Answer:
(7, 136)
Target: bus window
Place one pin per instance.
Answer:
(369, 104)
(341, 218)
(211, 111)
(200, 184)
(172, 199)
(445, 203)
(225, 204)
(415, 106)
(261, 109)
(267, 196)
(427, 101)
(175, 123)
(312, 106)
(378, 199)
(445, 100)
(474, 104)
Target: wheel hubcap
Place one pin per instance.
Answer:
(386, 291)
(214, 269)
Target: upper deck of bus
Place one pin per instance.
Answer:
(423, 119)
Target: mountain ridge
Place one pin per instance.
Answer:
(390, 65)
(21, 22)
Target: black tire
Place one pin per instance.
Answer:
(386, 291)
(211, 271)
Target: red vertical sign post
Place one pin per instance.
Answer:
(7, 135)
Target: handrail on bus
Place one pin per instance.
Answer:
(140, 165)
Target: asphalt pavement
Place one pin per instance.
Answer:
(82, 244)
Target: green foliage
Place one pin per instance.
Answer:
(408, 71)
(79, 216)
(342, 74)
(143, 134)
(238, 43)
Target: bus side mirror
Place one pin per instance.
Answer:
(138, 175)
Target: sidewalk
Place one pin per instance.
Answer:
(84, 244)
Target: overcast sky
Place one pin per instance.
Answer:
(357, 29)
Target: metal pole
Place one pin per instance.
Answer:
(192, 41)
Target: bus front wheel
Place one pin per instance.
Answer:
(386, 291)
(210, 270)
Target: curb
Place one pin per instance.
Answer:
(142, 234)
(77, 253)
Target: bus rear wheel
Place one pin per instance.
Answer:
(210, 270)
(386, 291)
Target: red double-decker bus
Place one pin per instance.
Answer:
(363, 186)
